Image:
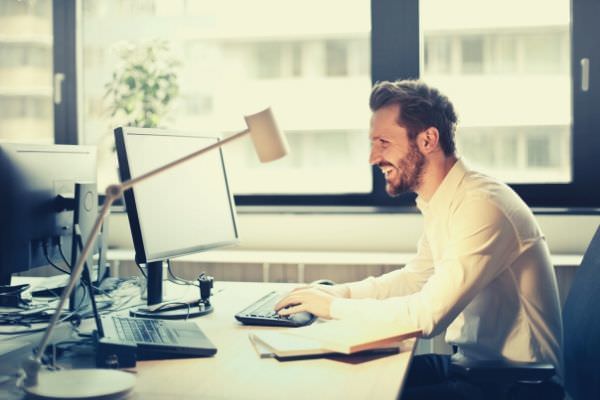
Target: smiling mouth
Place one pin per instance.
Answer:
(386, 171)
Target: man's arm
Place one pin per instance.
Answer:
(407, 280)
(396, 283)
(482, 245)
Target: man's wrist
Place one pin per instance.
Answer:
(343, 291)
(340, 308)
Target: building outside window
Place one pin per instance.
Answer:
(310, 65)
(26, 85)
(508, 71)
(497, 67)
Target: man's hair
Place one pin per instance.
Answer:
(421, 107)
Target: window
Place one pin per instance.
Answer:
(500, 86)
(224, 65)
(26, 70)
(438, 55)
(514, 75)
(336, 58)
(471, 55)
(268, 60)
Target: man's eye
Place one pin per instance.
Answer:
(379, 142)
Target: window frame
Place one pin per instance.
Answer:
(64, 30)
(395, 54)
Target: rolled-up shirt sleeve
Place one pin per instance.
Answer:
(481, 246)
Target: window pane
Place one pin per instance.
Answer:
(26, 108)
(224, 65)
(505, 66)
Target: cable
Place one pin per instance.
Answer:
(166, 305)
(58, 349)
(45, 247)
(51, 290)
(83, 298)
(62, 254)
(30, 320)
(56, 266)
(177, 280)
(123, 305)
(60, 250)
(102, 291)
(123, 296)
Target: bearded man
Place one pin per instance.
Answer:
(482, 271)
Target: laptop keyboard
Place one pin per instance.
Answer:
(262, 312)
(143, 330)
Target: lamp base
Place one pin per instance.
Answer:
(88, 384)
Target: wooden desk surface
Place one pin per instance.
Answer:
(236, 371)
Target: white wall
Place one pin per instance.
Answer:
(363, 232)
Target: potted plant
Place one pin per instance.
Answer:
(140, 93)
(144, 84)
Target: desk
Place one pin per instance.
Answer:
(236, 371)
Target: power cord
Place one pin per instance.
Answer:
(177, 280)
(45, 248)
(60, 250)
(170, 304)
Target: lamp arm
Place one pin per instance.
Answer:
(75, 275)
(113, 192)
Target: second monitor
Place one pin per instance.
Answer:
(182, 211)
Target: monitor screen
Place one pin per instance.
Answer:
(184, 210)
(33, 223)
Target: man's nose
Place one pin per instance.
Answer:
(375, 156)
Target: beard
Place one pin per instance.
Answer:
(408, 173)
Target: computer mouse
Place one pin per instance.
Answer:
(302, 318)
(323, 282)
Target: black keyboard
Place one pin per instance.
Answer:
(262, 312)
(143, 330)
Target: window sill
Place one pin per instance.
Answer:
(345, 210)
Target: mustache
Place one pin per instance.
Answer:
(385, 164)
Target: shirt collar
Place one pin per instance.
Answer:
(445, 192)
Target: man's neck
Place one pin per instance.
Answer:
(436, 169)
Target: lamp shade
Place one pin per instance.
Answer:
(269, 142)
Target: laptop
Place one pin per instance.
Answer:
(155, 338)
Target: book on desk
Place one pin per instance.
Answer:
(332, 337)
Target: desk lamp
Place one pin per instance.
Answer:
(269, 144)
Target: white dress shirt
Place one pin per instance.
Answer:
(482, 272)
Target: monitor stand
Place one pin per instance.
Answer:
(156, 308)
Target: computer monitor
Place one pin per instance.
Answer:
(38, 205)
(184, 210)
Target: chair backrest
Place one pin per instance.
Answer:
(581, 324)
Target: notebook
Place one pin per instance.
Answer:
(342, 336)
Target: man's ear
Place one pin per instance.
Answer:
(428, 140)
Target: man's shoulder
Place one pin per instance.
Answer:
(483, 196)
(479, 186)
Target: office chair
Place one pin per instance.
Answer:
(581, 348)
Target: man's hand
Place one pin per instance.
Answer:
(336, 290)
(314, 299)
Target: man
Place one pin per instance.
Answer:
(482, 271)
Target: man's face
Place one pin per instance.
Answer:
(394, 153)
